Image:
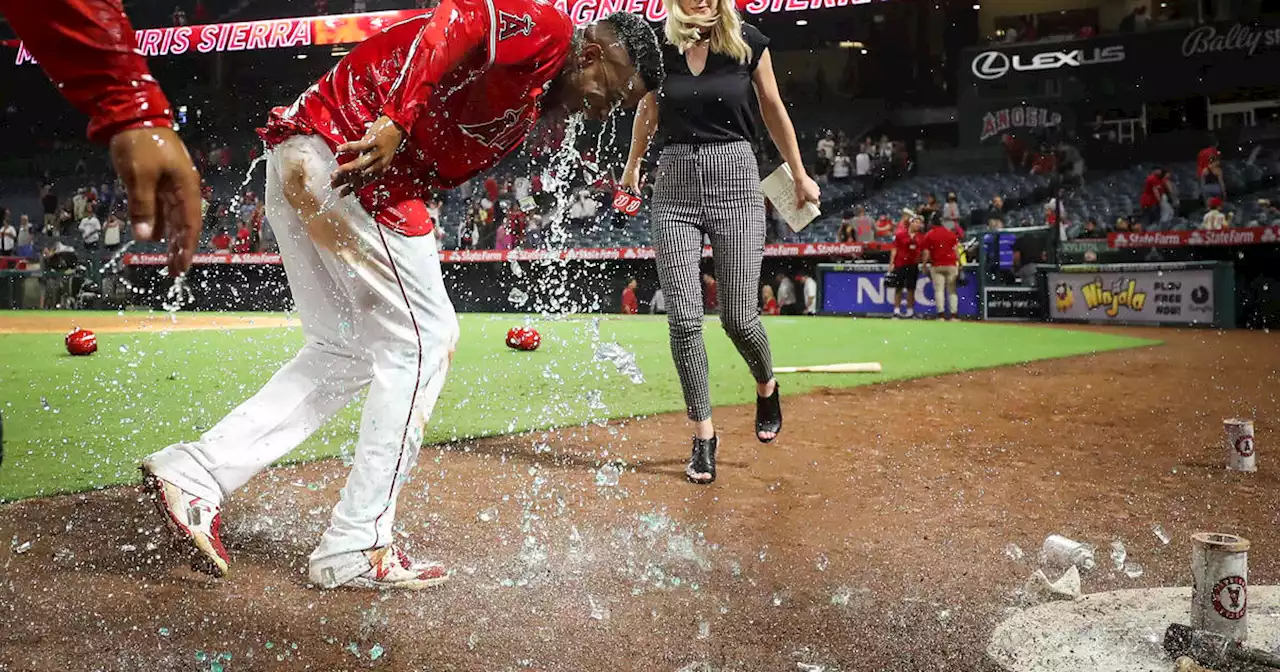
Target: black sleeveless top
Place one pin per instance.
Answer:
(717, 105)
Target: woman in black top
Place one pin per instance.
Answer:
(707, 183)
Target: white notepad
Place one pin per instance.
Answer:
(780, 189)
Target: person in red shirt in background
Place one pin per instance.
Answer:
(630, 304)
(221, 242)
(88, 49)
(421, 106)
(1206, 156)
(768, 302)
(904, 262)
(942, 259)
(243, 244)
(884, 228)
(1150, 200)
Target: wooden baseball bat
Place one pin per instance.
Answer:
(848, 367)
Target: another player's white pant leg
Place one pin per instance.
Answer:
(320, 380)
(412, 330)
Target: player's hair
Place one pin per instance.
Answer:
(684, 30)
(635, 35)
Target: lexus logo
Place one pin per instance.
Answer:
(990, 65)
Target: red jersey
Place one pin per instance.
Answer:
(906, 249)
(87, 48)
(1204, 157)
(222, 241)
(465, 81)
(941, 243)
(884, 227)
(771, 307)
(630, 306)
(1151, 191)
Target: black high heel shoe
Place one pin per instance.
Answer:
(769, 414)
(702, 463)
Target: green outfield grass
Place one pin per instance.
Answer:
(76, 423)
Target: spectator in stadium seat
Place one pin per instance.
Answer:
(49, 204)
(1028, 250)
(1121, 225)
(928, 210)
(66, 223)
(1211, 182)
(503, 240)
(864, 227)
(809, 290)
(1152, 189)
(26, 238)
(995, 213)
(1015, 153)
(1168, 198)
(658, 304)
(242, 243)
(111, 232)
(862, 165)
(1214, 220)
(841, 167)
(884, 228)
(1092, 230)
(847, 232)
(768, 303)
(827, 146)
(8, 235)
(787, 303)
(1206, 156)
(221, 241)
(630, 304)
(950, 213)
(91, 231)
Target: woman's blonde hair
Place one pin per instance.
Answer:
(766, 292)
(684, 30)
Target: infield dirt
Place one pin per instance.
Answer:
(871, 536)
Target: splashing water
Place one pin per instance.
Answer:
(178, 295)
(621, 358)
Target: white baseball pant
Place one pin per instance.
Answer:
(375, 313)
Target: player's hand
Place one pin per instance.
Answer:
(163, 188)
(374, 153)
(630, 181)
(806, 191)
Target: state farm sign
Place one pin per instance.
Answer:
(1257, 235)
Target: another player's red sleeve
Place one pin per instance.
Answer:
(456, 28)
(87, 48)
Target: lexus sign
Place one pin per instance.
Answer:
(991, 65)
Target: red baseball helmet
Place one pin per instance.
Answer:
(532, 339)
(82, 342)
(523, 338)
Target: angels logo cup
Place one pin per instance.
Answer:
(1220, 584)
(1239, 446)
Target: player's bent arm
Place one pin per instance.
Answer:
(642, 130)
(87, 48)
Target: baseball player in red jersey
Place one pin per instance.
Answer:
(87, 48)
(424, 105)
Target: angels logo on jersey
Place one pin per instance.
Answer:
(500, 132)
(513, 25)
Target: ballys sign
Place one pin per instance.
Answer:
(996, 64)
(1238, 38)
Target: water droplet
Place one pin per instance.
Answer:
(1132, 570)
(1118, 554)
(608, 476)
(599, 610)
(822, 562)
(164, 632)
(704, 630)
(488, 515)
(1161, 534)
(1013, 552)
(518, 297)
(376, 651)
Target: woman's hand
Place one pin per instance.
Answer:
(374, 153)
(630, 181)
(807, 191)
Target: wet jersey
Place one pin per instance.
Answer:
(465, 81)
